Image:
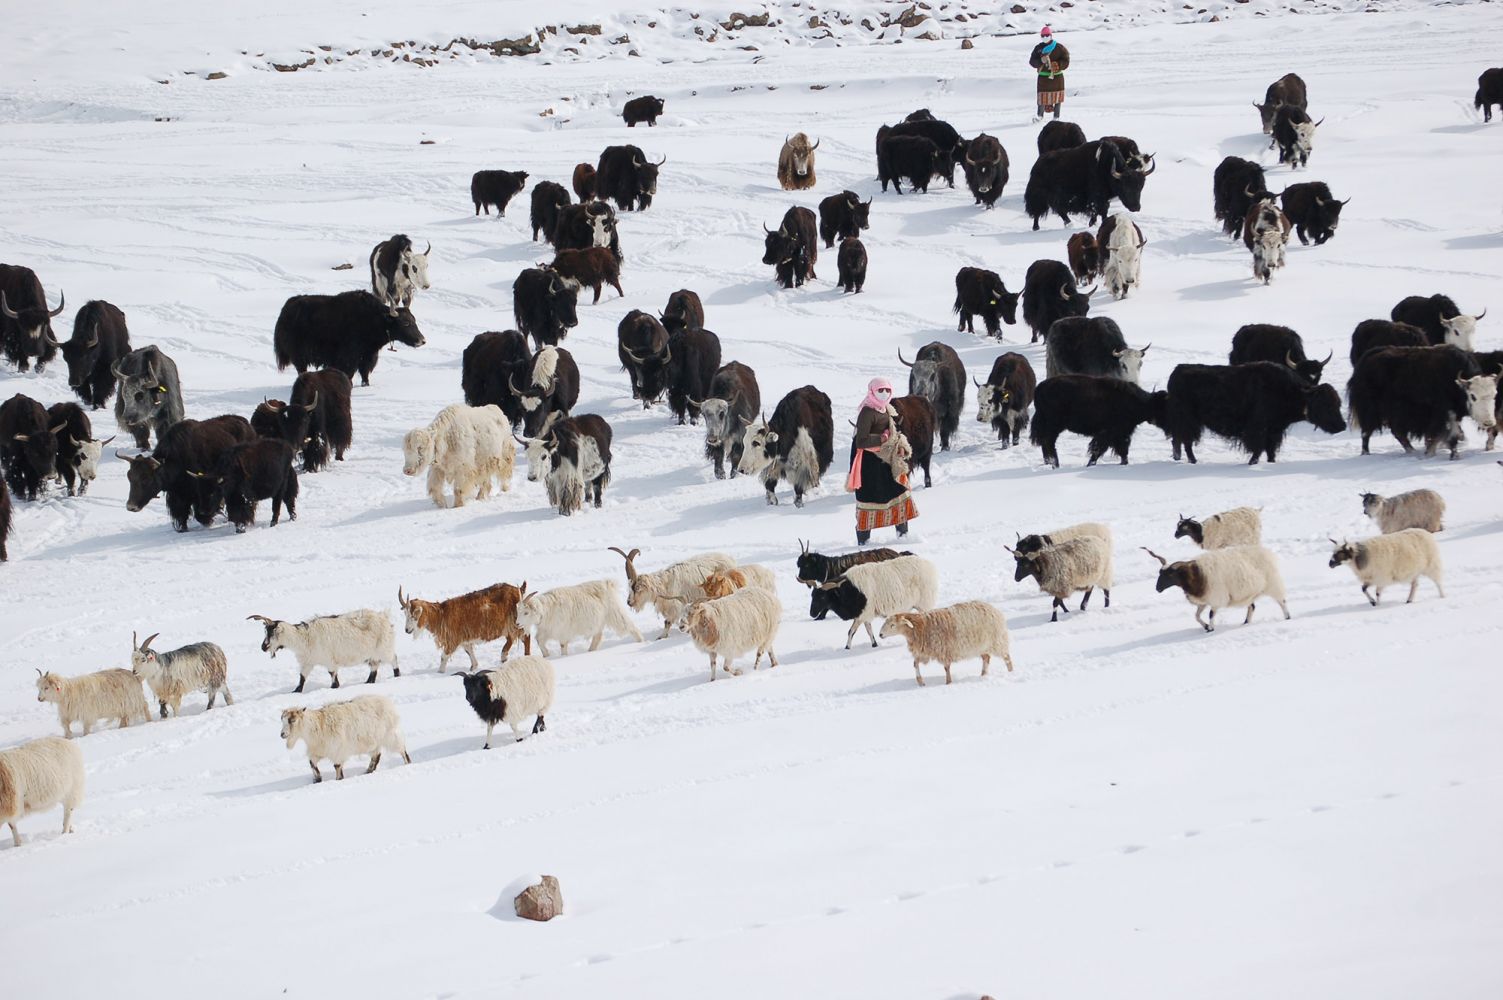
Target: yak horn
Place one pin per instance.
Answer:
(95, 341)
(5, 307)
(1319, 123)
(1289, 359)
(1093, 291)
(1064, 292)
(662, 161)
(1479, 315)
(429, 250)
(1161, 559)
(764, 229)
(901, 358)
(1327, 361)
(61, 299)
(979, 384)
(122, 456)
(1010, 549)
(630, 557)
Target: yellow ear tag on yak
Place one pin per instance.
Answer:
(161, 388)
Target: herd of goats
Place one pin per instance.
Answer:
(1415, 374)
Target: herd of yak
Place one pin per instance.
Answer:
(1415, 374)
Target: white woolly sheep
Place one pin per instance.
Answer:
(946, 635)
(200, 666)
(334, 641)
(363, 726)
(104, 694)
(39, 775)
(564, 614)
(734, 625)
(673, 588)
(728, 581)
(1224, 578)
(519, 690)
(1415, 509)
(879, 590)
(466, 446)
(1238, 526)
(1087, 529)
(1400, 557)
(1075, 564)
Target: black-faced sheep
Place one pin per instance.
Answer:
(1065, 568)
(1238, 526)
(519, 690)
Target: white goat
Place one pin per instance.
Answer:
(946, 635)
(466, 447)
(870, 591)
(39, 775)
(1415, 509)
(334, 641)
(363, 726)
(1238, 526)
(104, 694)
(734, 625)
(200, 666)
(673, 588)
(1224, 578)
(1123, 251)
(1401, 557)
(564, 614)
(519, 690)
(1062, 569)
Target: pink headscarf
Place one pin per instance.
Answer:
(871, 401)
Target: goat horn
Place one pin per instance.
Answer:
(61, 299)
(133, 643)
(630, 557)
(260, 618)
(401, 601)
(147, 644)
(1161, 559)
(901, 358)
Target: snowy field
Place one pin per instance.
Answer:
(1309, 808)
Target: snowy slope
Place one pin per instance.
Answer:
(1295, 809)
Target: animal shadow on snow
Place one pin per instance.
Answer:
(1248, 145)
(1189, 632)
(1479, 241)
(1461, 129)
(747, 291)
(1220, 291)
(286, 784)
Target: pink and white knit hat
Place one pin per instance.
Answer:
(1047, 32)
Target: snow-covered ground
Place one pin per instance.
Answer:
(1307, 808)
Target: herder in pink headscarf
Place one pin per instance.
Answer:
(882, 498)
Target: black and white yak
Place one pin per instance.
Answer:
(734, 402)
(1313, 210)
(1006, 396)
(796, 444)
(1440, 318)
(550, 392)
(1420, 392)
(398, 271)
(1237, 186)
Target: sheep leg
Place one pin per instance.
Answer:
(334, 674)
(757, 660)
(318, 775)
(541, 725)
(1438, 587)
(1251, 607)
(1107, 600)
(227, 699)
(1086, 598)
(1199, 609)
(1377, 595)
(1413, 589)
(1007, 658)
(595, 639)
(986, 663)
(301, 680)
(443, 663)
(918, 674)
(15, 835)
(712, 663)
(213, 693)
(371, 677)
(516, 731)
(772, 658)
(339, 772)
(375, 761)
(563, 647)
(68, 817)
(162, 708)
(436, 487)
(490, 727)
(667, 628)
(396, 671)
(87, 725)
(948, 678)
(850, 634)
(1368, 596)
(872, 634)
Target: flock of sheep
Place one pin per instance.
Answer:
(727, 610)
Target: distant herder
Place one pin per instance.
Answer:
(879, 466)
(1051, 59)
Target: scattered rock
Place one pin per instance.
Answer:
(346, 266)
(426, 142)
(966, 43)
(216, 76)
(739, 20)
(1018, 8)
(583, 29)
(543, 901)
